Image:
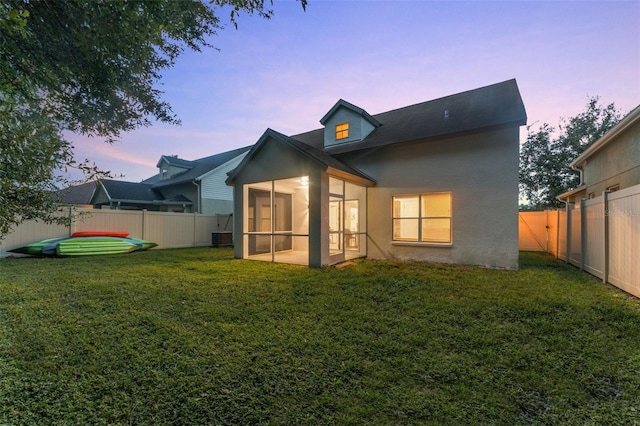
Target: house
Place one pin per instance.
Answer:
(180, 186)
(120, 195)
(78, 195)
(609, 164)
(435, 181)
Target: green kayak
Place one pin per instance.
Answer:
(38, 248)
(83, 246)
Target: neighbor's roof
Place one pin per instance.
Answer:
(138, 192)
(175, 161)
(196, 168)
(119, 190)
(485, 108)
(79, 194)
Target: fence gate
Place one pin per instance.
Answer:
(533, 231)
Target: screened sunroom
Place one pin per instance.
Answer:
(293, 207)
(276, 221)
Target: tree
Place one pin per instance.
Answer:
(544, 160)
(89, 67)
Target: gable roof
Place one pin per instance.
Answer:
(78, 194)
(119, 190)
(490, 107)
(320, 157)
(196, 168)
(494, 106)
(344, 104)
(140, 193)
(175, 161)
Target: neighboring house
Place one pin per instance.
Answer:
(435, 181)
(119, 195)
(180, 186)
(611, 163)
(78, 195)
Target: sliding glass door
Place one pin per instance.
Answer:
(347, 220)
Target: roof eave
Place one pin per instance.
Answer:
(563, 197)
(203, 176)
(150, 202)
(344, 104)
(361, 180)
(348, 148)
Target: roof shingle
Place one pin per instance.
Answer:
(480, 109)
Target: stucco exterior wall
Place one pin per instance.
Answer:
(617, 163)
(481, 172)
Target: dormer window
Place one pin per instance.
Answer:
(346, 123)
(342, 131)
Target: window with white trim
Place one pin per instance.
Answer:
(342, 131)
(424, 218)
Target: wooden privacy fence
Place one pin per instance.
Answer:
(168, 230)
(600, 236)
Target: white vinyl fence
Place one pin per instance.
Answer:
(168, 230)
(600, 236)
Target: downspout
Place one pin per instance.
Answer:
(579, 170)
(567, 231)
(199, 196)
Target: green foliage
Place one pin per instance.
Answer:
(94, 63)
(90, 67)
(192, 336)
(30, 150)
(544, 159)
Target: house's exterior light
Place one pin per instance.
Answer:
(304, 180)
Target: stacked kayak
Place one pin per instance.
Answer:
(36, 249)
(86, 244)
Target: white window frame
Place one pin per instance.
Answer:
(343, 133)
(421, 216)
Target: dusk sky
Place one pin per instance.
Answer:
(287, 72)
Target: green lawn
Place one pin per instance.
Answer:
(192, 336)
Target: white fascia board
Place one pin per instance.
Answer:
(105, 190)
(565, 195)
(236, 159)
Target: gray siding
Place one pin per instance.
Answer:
(217, 197)
(359, 127)
(616, 163)
(187, 189)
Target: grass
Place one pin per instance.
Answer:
(192, 336)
